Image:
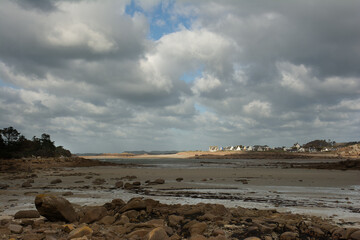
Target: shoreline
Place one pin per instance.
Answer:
(218, 155)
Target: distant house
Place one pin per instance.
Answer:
(249, 148)
(213, 148)
(296, 146)
(301, 149)
(238, 148)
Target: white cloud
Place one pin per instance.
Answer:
(258, 108)
(79, 35)
(206, 83)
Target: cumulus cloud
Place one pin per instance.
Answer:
(267, 72)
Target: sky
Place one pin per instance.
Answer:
(114, 76)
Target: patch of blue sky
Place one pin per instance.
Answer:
(8, 85)
(190, 76)
(200, 108)
(161, 18)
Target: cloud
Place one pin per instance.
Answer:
(268, 72)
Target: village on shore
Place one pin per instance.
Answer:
(310, 147)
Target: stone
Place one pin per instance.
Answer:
(118, 202)
(56, 181)
(15, 228)
(157, 234)
(134, 204)
(158, 181)
(67, 194)
(288, 236)
(92, 214)
(179, 179)
(197, 228)
(140, 233)
(107, 220)
(136, 183)
(3, 186)
(128, 186)
(119, 184)
(123, 220)
(99, 181)
(26, 185)
(252, 238)
(217, 232)
(80, 232)
(27, 222)
(68, 227)
(355, 235)
(175, 220)
(198, 237)
(55, 208)
(27, 214)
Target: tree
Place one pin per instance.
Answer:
(10, 134)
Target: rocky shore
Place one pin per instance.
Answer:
(57, 218)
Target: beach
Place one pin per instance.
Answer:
(262, 184)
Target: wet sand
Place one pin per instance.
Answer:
(332, 194)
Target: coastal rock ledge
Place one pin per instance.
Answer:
(148, 219)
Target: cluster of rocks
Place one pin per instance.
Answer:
(31, 164)
(151, 220)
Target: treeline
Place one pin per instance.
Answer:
(15, 145)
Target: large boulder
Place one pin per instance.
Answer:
(55, 208)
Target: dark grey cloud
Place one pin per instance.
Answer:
(41, 5)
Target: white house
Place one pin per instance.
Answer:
(213, 148)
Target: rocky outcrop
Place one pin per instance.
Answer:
(147, 219)
(55, 208)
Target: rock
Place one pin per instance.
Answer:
(159, 181)
(27, 222)
(136, 183)
(217, 232)
(157, 234)
(27, 214)
(128, 186)
(15, 228)
(3, 186)
(355, 235)
(197, 228)
(343, 233)
(119, 184)
(92, 214)
(198, 237)
(140, 233)
(134, 204)
(175, 220)
(107, 220)
(179, 179)
(55, 208)
(68, 227)
(67, 194)
(26, 185)
(56, 181)
(99, 181)
(118, 202)
(288, 236)
(252, 238)
(80, 232)
(123, 220)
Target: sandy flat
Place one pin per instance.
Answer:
(328, 193)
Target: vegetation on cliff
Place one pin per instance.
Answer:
(14, 145)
